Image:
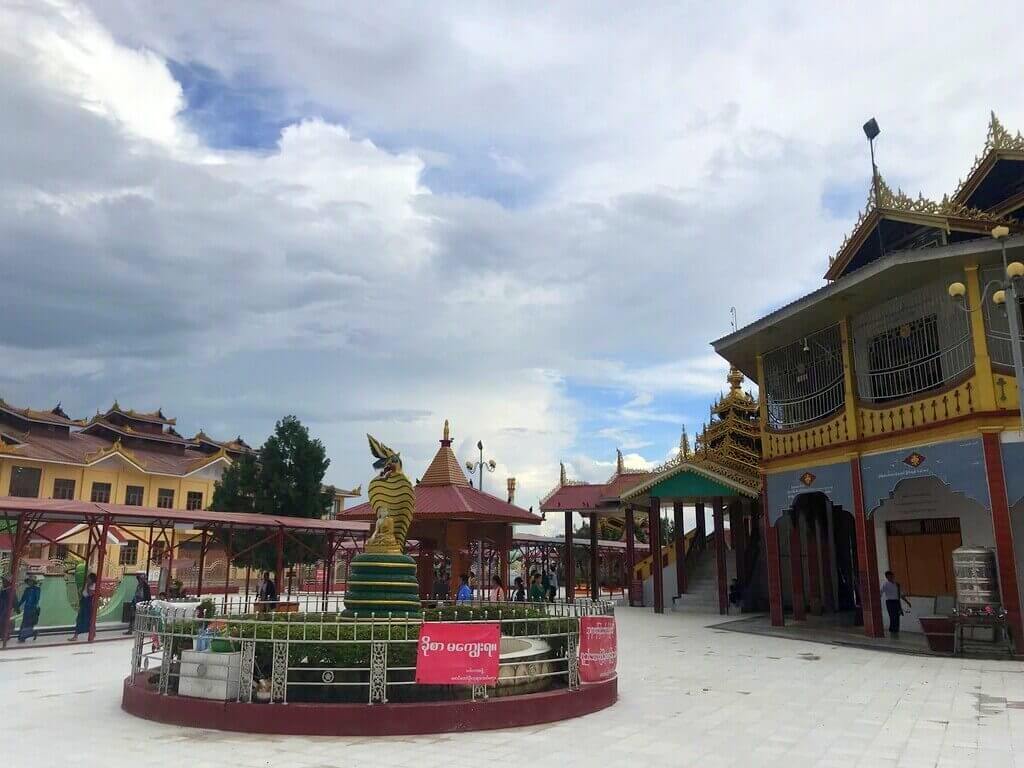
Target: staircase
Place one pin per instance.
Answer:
(702, 582)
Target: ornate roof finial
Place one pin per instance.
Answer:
(562, 479)
(684, 444)
(446, 439)
(735, 379)
(620, 465)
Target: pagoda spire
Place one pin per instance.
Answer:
(620, 464)
(562, 479)
(684, 444)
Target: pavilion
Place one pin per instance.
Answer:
(453, 519)
(25, 520)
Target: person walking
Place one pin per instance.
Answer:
(497, 590)
(143, 594)
(553, 584)
(85, 600)
(519, 593)
(6, 597)
(465, 593)
(29, 606)
(536, 589)
(893, 597)
(267, 593)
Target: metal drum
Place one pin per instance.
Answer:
(977, 580)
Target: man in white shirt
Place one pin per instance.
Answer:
(892, 596)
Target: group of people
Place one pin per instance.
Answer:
(543, 588)
(28, 604)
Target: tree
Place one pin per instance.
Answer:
(284, 478)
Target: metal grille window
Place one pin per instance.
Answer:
(997, 324)
(804, 380)
(911, 344)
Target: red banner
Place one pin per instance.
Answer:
(599, 653)
(458, 654)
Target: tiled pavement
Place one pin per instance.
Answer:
(689, 695)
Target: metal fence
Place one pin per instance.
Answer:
(997, 324)
(323, 656)
(804, 379)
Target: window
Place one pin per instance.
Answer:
(804, 379)
(194, 500)
(911, 344)
(63, 489)
(34, 552)
(165, 498)
(129, 554)
(100, 493)
(156, 552)
(133, 495)
(60, 552)
(25, 482)
(921, 554)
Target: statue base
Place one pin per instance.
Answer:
(382, 586)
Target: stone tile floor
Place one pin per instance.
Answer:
(689, 696)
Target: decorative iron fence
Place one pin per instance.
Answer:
(804, 380)
(325, 657)
(911, 344)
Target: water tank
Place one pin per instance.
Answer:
(977, 580)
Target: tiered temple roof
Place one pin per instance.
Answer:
(992, 195)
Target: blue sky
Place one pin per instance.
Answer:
(530, 220)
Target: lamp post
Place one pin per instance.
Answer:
(480, 465)
(1014, 284)
(871, 130)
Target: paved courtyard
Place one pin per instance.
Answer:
(689, 695)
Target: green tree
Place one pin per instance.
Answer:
(285, 478)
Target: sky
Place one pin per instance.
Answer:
(527, 218)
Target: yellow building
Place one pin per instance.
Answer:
(120, 456)
(889, 417)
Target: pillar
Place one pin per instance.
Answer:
(796, 567)
(630, 533)
(504, 547)
(738, 537)
(229, 554)
(595, 582)
(1003, 535)
(570, 561)
(680, 543)
(771, 558)
(100, 561)
(813, 565)
(18, 540)
(657, 569)
(825, 552)
(202, 562)
(867, 558)
(279, 575)
(425, 570)
(723, 580)
(702, 527)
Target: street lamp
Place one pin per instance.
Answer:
(871, 130)
(480, 465)
(1014, 285)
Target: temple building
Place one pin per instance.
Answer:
(889, 420)
(120, 456)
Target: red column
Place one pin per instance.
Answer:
(680, 542)
(570, 561)
(813, 565)
(867, 558)
(17, 545)
(825, 551)
(657, 569)
(771, 557)
(228, 555)
(202, 563)
(630, 534)
(701, 538)
(595, 581)
(796, 568)
(425, 571)
(723, 580)
(170, 559)
(279, 573)
(1005, 558)
(503, 557)
(100, 560)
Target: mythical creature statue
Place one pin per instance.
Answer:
(392, 498)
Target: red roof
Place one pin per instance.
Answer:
(57, 510)
(454, 502)
(573, 497)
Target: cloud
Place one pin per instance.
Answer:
(614, 184)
